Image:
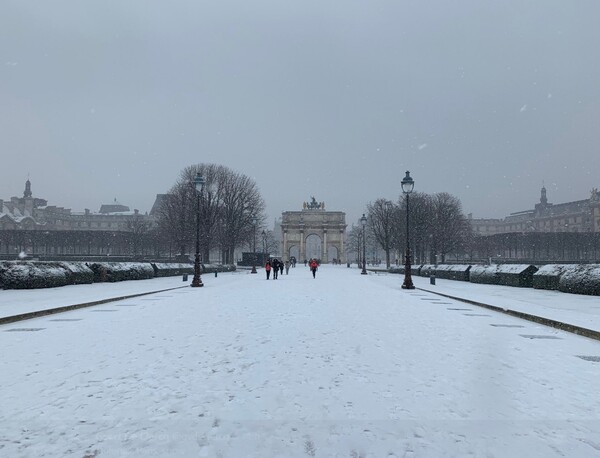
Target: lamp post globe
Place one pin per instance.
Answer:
(363, 222)
(199, 185)
(253, 271)
(407, 187)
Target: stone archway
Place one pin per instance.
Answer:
(328, 226)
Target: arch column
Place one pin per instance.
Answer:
(302, 247)
(324, 247)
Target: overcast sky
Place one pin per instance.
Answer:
(332, 99)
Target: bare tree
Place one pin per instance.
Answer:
(451, 229)
(226, 205)
(241, 201)
(354, 242)
(382, 216)
(174, 216)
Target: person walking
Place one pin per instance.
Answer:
(275, 265)
(268, 268)
(313, 267)
(287, 267)
(281, 267)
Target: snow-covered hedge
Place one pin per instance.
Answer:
(397, 270)
(212, 268)
(77, 272)
(520, 275)
(453, 271)
(171, 269)
(425, 270)
(548, 276)
(582, 279)
(121, 271)
(29, 275)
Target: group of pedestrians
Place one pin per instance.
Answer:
(276, 267)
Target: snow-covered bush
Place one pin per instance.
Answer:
(121, 271)
(582, 279)
(520, 275)
(422, 270)
(171, 269)
(453, 271)
(77, 272)
(212, 268)
(548, 276)
(30, 275)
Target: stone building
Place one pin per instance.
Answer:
(577, 216)
(28, 224)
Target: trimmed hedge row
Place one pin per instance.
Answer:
(582, 279)
(29, 275)
(548, 276)
(171, 269)
(567, 278)
(520, 275)
(453, 271)
(42, 274)
(120, 271)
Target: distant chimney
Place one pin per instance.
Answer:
(136, 211)
(87, 211)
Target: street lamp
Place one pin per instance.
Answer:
(407, 187)
(199, 185)
(253, 271)
(363, 222)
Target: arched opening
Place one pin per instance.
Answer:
(294, 252)
(332, 253)
(313, 246)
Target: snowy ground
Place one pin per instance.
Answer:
(344, 365)
(576, 309)
(15, 302)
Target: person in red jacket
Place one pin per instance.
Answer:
(268, 269)
(313, 267)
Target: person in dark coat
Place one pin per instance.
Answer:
(268, 268)
(275, 265)
(281, 267)
(313, 267)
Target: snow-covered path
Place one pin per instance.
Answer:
(344, 365)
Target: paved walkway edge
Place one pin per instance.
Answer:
(67, 308)
(590, 333)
